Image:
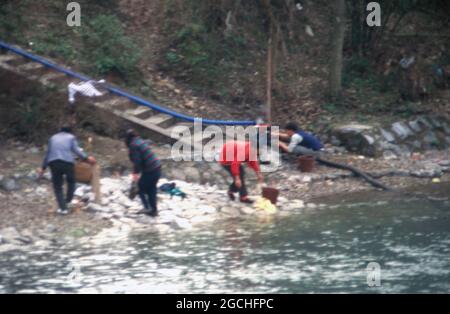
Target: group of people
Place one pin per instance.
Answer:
(63, 148)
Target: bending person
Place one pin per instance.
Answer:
(232, 155)
(146, 171)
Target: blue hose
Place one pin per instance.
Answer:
(119, 92)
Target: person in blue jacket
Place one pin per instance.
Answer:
(60, 157)
(300, 142)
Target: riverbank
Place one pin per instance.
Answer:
(27, 207)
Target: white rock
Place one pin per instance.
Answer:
(230, 211)
(146, 220)
(293, 205)
(41, 191)
(200, 219)
(206, 209)
(9, 247)
(162, 228)
(34, 150)
(282, 199)
(306, 179)
(97, 208)
(166, 217)
(190, 213)
(9, 234)
(32, 175)
(247, 210)
(181, 223)
(79, 192)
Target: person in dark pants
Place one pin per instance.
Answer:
(233, 188)
(232, 155)
(60, 158)
(146, 171)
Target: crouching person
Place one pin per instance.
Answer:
(60, 157)
(300, 142)
(146, 171)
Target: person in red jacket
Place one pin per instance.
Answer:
(232, 155)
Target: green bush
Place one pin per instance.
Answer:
(358, 73)
(10, 24)
(54, 45)
(172, 57)
(107, 47)
(193, 45)
(357, 67)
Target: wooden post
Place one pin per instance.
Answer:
(95, 180)
(95, 183)
(336, 57)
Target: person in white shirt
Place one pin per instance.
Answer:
(300, 142)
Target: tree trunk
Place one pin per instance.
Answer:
(335, 80)
(269, 77)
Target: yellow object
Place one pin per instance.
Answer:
(436, 180)
(266, 205)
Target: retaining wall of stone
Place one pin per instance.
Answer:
(398, 139)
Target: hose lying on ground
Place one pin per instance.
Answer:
(356, 171)
(374, 182)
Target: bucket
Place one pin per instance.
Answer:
(83, 172)
(306, 163)
(271, 194)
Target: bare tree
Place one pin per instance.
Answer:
(335, 79)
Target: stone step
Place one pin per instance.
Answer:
(8, 58)
(182, 128)
(120, 103)
(48, 79)
(143, 123)
(157, 123)
(138, 111)
(161, 119)
(188, 125)
(113, 103)
(30, 66)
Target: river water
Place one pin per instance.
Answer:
(323, 250)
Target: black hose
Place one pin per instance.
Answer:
(356, 171)
(374, 182)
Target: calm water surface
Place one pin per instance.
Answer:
(311, 251)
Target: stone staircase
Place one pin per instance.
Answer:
(157, 123)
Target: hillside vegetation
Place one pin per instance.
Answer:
(209, 58)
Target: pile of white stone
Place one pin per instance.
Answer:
(204, 203)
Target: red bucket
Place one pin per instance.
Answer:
(271, 194)
(306, 163)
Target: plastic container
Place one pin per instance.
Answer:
(306, 163)
(271, 194)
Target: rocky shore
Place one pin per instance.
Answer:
(203, 204)
(27, 206)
